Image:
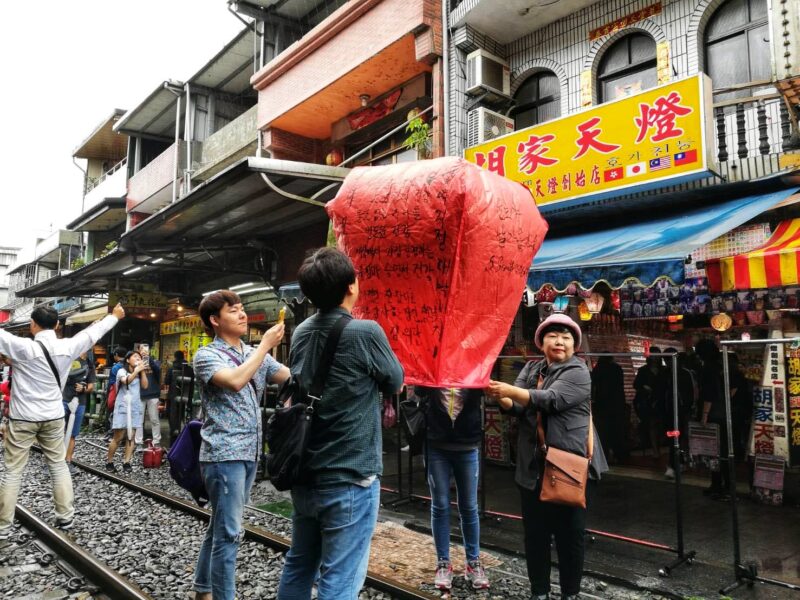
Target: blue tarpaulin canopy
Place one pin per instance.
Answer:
(645, 251)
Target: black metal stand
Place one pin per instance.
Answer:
(743, 574)
(683, 556)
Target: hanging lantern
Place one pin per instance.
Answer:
(546, 295)
(721, 322)
(334, 158)
(615, 300)
(595, 302)
(572, 289)
(560, 304)
(545, 310)
(583, 312)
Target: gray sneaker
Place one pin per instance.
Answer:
(444, 575)
(475, 575)
(73, 470)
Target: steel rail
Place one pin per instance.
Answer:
(109, 581)
(256, 534)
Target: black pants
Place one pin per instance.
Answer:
(541, 521)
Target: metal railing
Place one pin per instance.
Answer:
(752, 126)
(93, 182)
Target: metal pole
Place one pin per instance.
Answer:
(726, 380)
(177, 152)
(188, 136)
(676, 444)
(445, 116)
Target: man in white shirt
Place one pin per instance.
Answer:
(37, 412)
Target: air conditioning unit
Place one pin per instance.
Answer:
(487, 72)
(484, 125)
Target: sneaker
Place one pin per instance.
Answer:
(127, 467)
(73, 470)
(444, 575)
(405, 448)
(65, 524)
(669, 473)
(111, 467)
(475, 575)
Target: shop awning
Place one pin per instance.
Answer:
(644, 251)
(252, 200)
(775, 264)
(291, 292)
(87, 316)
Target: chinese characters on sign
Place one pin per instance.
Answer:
(658, 134)
(634, 17)
(793, 403)
(495, 436)
(130, 300)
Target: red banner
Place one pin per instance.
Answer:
(442, 249)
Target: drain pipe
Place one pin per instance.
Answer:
(83, 197)
(446, 74)
(188, 136)
(178, 93)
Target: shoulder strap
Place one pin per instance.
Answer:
(238, 363)
(327, 356)
(590, 436)
(50, 362)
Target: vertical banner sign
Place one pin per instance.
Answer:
(769, 404)
(657, 137)
(442, 250)
(495, 436)
(793, 401)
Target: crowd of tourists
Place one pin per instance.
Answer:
(336, 503)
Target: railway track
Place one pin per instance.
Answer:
(68, 569)
(277, 543)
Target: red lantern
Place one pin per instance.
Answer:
(615, 299)
(334, 158)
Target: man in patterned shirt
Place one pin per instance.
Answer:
(232, 376)
(336, 511)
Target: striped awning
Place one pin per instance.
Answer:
(775, 264)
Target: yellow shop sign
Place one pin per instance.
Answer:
(639, 142)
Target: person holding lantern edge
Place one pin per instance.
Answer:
(558, 389)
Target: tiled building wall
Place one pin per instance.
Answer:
(564, 47)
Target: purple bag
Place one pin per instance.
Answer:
(184, 462)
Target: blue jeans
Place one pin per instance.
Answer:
(228, 484)
(79, 412)
(332, 529)
(464, 466)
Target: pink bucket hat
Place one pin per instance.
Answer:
(558, 319)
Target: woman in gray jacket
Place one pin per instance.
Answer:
(558, 388)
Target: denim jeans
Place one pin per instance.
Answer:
(228, 484)
(332, 529)
(464, 466)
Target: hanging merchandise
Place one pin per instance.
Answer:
(595, 302)
(721, 322)
(583, 312)
(561, 304)
(615, 302)
(546, 295)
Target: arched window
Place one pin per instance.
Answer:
(538, 100)
(627, 67)
(737, 46)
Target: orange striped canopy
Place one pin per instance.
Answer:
(775, 264)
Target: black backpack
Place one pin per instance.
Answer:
(288, 429)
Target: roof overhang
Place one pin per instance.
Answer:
(228, 72)
(248, 202)
(388, 69)
(104, 142)
(105, 215)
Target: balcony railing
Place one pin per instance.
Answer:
(753, 126)
(93, 182)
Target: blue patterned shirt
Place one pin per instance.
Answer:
(232, 428)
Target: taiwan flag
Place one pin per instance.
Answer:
(613, 174)
(685, 158)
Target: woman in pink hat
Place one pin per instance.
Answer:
(558, 389)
